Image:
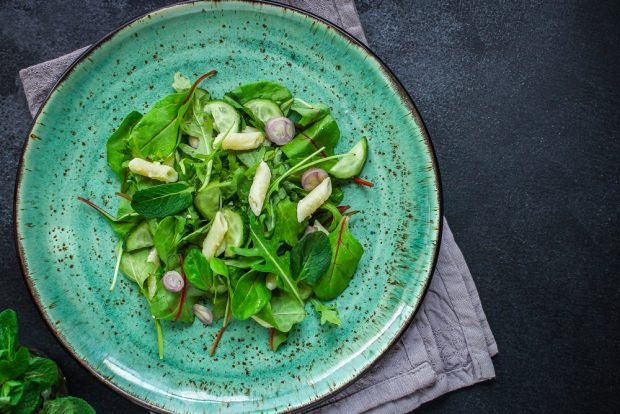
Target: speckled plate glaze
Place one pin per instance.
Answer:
(67, 251)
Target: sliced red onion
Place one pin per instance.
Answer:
(313, 177)
(280, 130)
(173, 281)
(203, 314)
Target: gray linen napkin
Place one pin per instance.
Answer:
(448, 346)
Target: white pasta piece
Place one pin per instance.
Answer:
(315, 199)
(259, 187)
(153, 170)
(243, 140)
(215, 236)
(222, 248)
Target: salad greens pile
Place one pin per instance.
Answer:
(234, 203)
(30, 383)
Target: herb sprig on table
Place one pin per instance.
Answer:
(230, 209)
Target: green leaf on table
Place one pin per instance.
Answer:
(250, 295)
(14, 365)
(8, 330)
(328, 313)
(263, 90)
(162, 200)
(165, 305)
(136, 267)
(346, 254)
(311, 257)
(42, 371)
(67, 405)
(117, 146)
(197, 269)
(29, 399)
(282, 312)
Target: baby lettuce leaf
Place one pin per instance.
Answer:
(67, 405)
(165, 305)
(287, 228)
(167, 238)
(324, 133)
(250, 295)
(328, 313)
(117, 147)
(311, 257)
(308, 112)
(8, 331)
(346, 254)
(135, 266)
(197, 269)
(282, 312)
(268, 250)
(162, 200)
(262, 90)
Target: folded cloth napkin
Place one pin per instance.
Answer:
(448, 346)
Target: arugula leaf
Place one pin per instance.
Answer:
(311, 257)
(268, 250)
(135, 266)
(282, 312)
(250, 295)
(276, 338)
(8, 330)
(162, 200)
(287, 228)
(67, 405)
(346, 254)
(309, 113)
(328, 313)
(197, 269)
(117, 144)
(324, 133)
(262, 90)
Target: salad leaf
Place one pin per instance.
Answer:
(197, 269)
(207, 201)
(309, 113)
(14, 365)
(42, 371)
(135, 266)
(117, 144)
(67, 405)
(162, 200)
(8, 331)
(29, 398)
(287, 228)
(346, 254)
(324, 133)
(165, 305)
(282, 312)
(263, 90)
(250, 296)
(328, 313)
(167, 237)
(251, 158)
(311, 257)
(276, 338)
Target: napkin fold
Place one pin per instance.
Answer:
(449, 344)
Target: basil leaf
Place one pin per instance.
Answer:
(311, 257)
(67, 405)
(282, 312)
(262, 90)
(250, 295)
(117, 145)
(346, 254)
(197, 269)
(156, 135)
(42, 371)
(162, 200)
(8, 331)
(135, 266)
(287, 228)
(328, 313)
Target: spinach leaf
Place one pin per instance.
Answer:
(328, 313)
(8, 330)
(261, 89)
(197, 269)
(287, 228)
(162, 200)
(42, 371)
(117, 145)
(250, 295)
(135, 266)
(311, 257)
(282, 312)
(167, 238)
(309, 113)
(218, 266)
(276, 338)
(346, 254)
(67, 405)
(324, 133)
(268, 250)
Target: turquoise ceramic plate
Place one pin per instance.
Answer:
(67, 251)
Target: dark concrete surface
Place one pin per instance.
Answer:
(522, 101)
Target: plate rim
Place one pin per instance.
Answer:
(390, 76)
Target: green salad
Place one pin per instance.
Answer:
(230, 208)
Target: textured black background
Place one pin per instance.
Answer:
(522, 101)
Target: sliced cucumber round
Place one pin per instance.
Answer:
(225, 117)
(235, 236)
(352, 164)
(264, 109)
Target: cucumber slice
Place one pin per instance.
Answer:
(139, 238)
(235, 236)
(264, 109)
(352, 165)
(225, 117)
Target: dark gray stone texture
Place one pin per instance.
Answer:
(521, 99)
